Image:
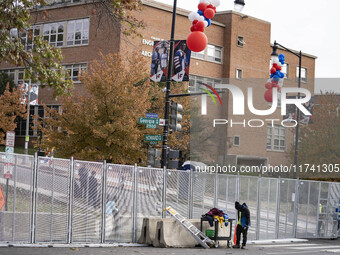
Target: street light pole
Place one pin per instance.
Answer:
(28, 116)
(168, 89)
(275, 47)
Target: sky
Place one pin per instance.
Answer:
(312, 26)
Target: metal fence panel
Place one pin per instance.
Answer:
(52, 200)
(15, 222)
(87, 186)
(248, 195)
(287, 198)
(177, 191)
(118, 224)
(203, 193)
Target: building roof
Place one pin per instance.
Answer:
(297, 52)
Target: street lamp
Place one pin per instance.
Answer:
(239, 5)
(274, 57)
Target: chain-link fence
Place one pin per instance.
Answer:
(65, 201)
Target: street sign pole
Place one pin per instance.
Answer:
(28, 116)
(168, 88)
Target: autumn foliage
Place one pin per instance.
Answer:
(102, 125)
(11, 107)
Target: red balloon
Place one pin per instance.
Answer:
(276, 86)
(214, 8)
(275, 65)
(193, 28)
(268, 85)
(202, 6)
(200, 24)
(279, 68)
(195, 22)
(197, 41)
(210, 6)
(273, 70)
(201, 29)
(209, 13)
(268, 96)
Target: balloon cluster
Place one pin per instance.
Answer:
(276, 78)
(197, 40)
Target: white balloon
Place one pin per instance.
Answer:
(205, 1)
(216, 3)
(192, 16)
(206, 23)
(201, 18)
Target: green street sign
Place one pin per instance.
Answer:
(150, 138)
(153, 142)
(149, 121)
(151, 126)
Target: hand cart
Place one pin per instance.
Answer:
(216, 238)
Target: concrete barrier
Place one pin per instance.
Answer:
(148, 231)
(170, 234)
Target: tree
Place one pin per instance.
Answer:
(42, 60)
(319, 142)
(11, 107)
(4, 81)
(104, 123)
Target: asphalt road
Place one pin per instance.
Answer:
(312, 247)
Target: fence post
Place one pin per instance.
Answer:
(278, 201)
(258, 209)
(134, 209)
(52, 201)
(191, 193)
(296, 206)
(70, 202)
(165, 181)
(216, 190)
(34, 201)
(103, 202)
(14, 194)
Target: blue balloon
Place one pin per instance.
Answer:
(272, 75)
(277, 73)
(281, 56)
(200, 12)
(209, 21)
(276, 78)
(282, 75)
(282, 62)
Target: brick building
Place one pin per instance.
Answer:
(239, 50)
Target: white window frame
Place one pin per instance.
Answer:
(72, 68)
(72, 41)
(272, 136)
(303, 79)
(239, 140)
(49, 35)
(240, 41)
(203, 55)
(27, 37)
(15, 74)
(239, 71)
(195, 79)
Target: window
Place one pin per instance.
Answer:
(195, 81)
(54, 33)
(74, 70)
(199, 55)
(28, 36)
(17, 75)
(214, 53)
(236, 140)
(78, 32)
(211, 53)
(239, 74)
(276, 138)
(303, 74)
(240, 41)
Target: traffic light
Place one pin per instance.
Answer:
(175, 117)
(153, 157)
(173, 159)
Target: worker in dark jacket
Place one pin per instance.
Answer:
(243, 216)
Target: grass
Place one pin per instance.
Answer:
(19, 150)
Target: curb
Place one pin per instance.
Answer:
(279, 241)
(54, 245)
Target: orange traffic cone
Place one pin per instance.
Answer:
(235, 236)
